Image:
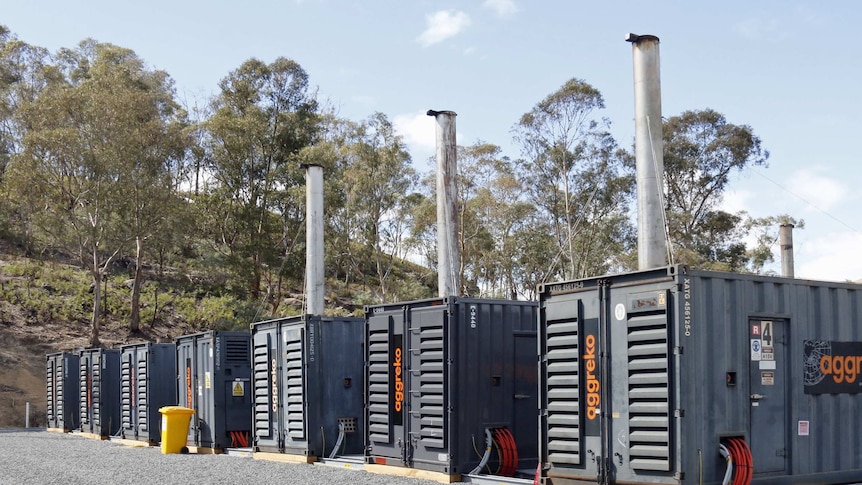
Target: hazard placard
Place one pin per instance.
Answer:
(238, 388)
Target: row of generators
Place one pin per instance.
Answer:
(665, 376)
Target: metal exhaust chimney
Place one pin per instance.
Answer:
(314, 278)
(785, 240)
(448, 252)
(652, 244)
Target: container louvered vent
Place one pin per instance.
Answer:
(58, 384)
(649, 393)
(378, 380)
(49, 387)
(126, 390)
(432, 433)
(236, 351)
(97, 393)
(563, 392)
(293, 386)
(140, 383)
(84, 397)
(262, 381)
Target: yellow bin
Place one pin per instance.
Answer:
(175, 428)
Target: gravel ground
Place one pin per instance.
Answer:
(40, 457)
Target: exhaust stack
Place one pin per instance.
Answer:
(314, 277)
(652, 244)
(785, 240)
(448, 252)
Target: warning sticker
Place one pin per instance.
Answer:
(207, 383)
(802, 429)
(767, 378)
(756, 349)
(767, 354)
(239, 388)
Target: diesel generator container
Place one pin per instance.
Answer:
(441, 372)
(214, 376)
(308, 385)
(646, 376)
(99, 398)
(61, 383)
(148, 381)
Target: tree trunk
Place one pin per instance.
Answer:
(135, 316)
(97, 299)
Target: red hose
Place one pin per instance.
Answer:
(514, 448)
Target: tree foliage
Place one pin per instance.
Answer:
(701, 151)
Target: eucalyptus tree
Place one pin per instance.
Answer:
(24, 71)
(97, 141)
(378, 181)
(701, 152)
(263, 117)
(580, 179)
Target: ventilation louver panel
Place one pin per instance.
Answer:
(431, 384)
(378, 381)
(563, 392)
(649, 393)
(261, 369)
(142, 406)
(126, 391)
(58, 383)
(84, 392)
(293, 386)
(49, 387)
(236, 351)
(97, 393)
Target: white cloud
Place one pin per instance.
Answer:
(469, 51)
(443, 25)
(818, 190)
(831, 257)
(755, 28)
(419, 133)
(503, 8)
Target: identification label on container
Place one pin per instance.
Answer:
(207, 382)
(756, 349)
(803, 428)
(767, 378)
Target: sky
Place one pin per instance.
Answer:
(788, 69)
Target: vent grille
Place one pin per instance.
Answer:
(142, 405)
(126, 398)
(262, 380)
(84, 377)
(60, 402)
(97, 392)
(293, 386)
(236, 350)
(49, 387)
(563, 392)
(378, 380)
(431, 384)
(649, 392)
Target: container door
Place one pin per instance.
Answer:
(571, 430)
(294, 386)
(768, 381)
(205, 406)
(426, 384)
(187, 377)
(386, 377)
(639, 385)
(267, 403)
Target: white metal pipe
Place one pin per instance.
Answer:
(652, 243)
(314, 277)
(448, 250)
(785, 240)
(27, 416)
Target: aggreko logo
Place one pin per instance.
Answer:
(593, 385)
(399, 383)
(842, 368)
